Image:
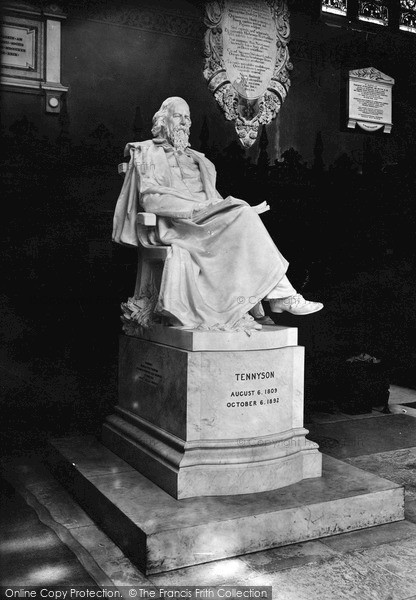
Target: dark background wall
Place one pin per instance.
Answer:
(342, 200)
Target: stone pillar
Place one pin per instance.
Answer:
(213, 413)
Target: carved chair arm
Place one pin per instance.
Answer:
(146, 222)
(147, 219)
(122, 168)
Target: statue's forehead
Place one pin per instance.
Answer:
(179, 106)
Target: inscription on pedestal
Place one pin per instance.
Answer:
(241, 389)
(213, 395)
(260, 396)
(148, 373)
(152, 384)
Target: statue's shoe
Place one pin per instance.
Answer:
(296, 305)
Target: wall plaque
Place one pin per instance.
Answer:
(369, 100)
(247, 61)
(18, 47)
(31, 50)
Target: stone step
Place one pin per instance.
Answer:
(159, 533)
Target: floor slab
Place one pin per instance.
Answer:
(395, 465)
(397, 558)
(364, 436)
(401, 395)
(230, 571)
(31, 553)
(346, 577)
(289, 557)
(103, 560)
(373, 536)
(410, 511)
(160, 533)
(109, 557)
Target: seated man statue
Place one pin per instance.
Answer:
(222, 261)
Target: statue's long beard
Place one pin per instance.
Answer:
(179, 138)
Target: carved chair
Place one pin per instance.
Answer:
(151, 256)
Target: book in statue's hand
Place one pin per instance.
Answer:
(261, 208)
(213, 209)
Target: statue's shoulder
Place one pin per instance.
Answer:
(146, 145)
(200, 154)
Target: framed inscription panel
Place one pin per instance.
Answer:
(31, 51)
(247, 61)
(18, 47)
(370, 100)
(22, 42)
(250, 51)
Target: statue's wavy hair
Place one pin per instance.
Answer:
(160, 116)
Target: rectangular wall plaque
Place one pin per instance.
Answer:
(22, 52)
(31, 51)
(18, 47)
(370, 100)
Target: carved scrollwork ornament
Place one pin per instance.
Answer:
(247, 61)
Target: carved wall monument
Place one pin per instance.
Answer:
(247, 61)
(369, 100)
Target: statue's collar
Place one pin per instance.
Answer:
(163, 143)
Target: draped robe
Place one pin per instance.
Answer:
(222, 260)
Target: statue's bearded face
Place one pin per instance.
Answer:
(178, 125)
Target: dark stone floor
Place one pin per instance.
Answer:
(346, 439)
(31, 554)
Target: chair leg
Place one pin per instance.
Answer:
(149, 276)
(143, 278)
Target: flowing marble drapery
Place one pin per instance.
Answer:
(222, 259)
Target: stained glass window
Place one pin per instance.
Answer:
(336, 7)
(408, 15)
(373, 11)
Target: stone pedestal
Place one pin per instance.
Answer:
(159, 533)
(216, 421)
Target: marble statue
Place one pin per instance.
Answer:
(222, 261)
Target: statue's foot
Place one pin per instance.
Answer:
(296, 305)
